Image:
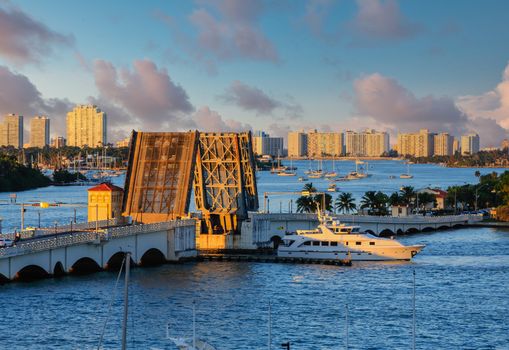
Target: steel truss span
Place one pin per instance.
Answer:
(165, 167)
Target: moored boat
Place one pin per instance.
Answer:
(333, 240)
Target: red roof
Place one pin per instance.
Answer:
(106, 187)
(439, 193)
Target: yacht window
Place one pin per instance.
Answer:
(334, 244)
(307, 243)
(358, 243)
(355, 229)
(344, 230)
(346, 243)
(371, 243)
(315, 243)
(289, 242)
(325, 244)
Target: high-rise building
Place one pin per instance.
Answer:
(11, 131)
(456, 146)
(325, 144)
(263, 144)
(297, 144)
(86, 126)
(443, 144)
(39, 131)
(419, 144)
(470, 144)
(369, 143)
(58, 142)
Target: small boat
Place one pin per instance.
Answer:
(287, 173)
(332, 188)
(392, 177)
(332, 240)
(407, 174)
(189, 343)
(301, 179)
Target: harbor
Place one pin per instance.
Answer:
(231, 281)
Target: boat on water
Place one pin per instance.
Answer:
(332, 188)
(332, 240)
(302, 179)
(286, 173)
(407, 175)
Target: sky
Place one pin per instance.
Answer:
(225, 65)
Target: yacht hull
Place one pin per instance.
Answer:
(385, 254)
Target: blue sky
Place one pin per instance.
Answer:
(273, 65)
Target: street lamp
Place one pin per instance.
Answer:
(476, 194)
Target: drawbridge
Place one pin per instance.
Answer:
(165, 168)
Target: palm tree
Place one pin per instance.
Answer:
(381, 203)
(306, 204)
(395, 199)
(369, 201)
(345, 203)
(477, 174)
(407, 194)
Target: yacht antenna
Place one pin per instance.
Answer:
(413, 316)
(126, 299)
(270, 327)
(346, 326)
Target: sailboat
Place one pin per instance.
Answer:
(407, 175)
(288, 172)
(318, 173)
(332, 173)
(186, 343)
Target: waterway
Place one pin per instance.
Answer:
(462, 289)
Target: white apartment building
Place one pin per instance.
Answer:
(39, 131)
(470, 144)
(11, 131)
(263, 144)
(297, 144)
(419, 144)
(86, 126)
(369, 143)
(444, 144)
(325, 144)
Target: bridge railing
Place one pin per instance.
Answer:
(417, 219)
(83, 226)
(123, 231)
(49, 243)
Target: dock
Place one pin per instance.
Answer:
(270, 259)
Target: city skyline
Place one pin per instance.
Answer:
(260, 65)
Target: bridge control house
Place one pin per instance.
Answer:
(104, 202)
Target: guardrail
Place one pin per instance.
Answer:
(71, 238)
(49, 243)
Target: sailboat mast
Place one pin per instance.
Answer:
(413, 316)
(126, 299)
(346, 326)
(270, 327)
(194, 326)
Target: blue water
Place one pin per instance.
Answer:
(424, 175)
(462, 291)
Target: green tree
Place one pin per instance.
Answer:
(407, 195)
(375, 202)
(310, 202)
(345, 203)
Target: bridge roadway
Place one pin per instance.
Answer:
(90, 250)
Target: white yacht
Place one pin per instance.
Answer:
(332, 240)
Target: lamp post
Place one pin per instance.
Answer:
(476, 194)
